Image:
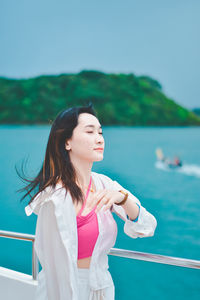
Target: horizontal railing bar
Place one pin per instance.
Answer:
(157, 258)
(17, 235)
(162, 259)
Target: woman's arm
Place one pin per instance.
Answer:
(145, 223)
(132, 209)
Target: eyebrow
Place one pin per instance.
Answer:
(92, 126)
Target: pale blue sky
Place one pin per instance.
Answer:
(156, 38)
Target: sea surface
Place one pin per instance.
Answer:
(172, 196)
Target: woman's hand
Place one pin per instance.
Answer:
(107, 198)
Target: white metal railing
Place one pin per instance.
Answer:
(162, 259)
(25, 237)
(157, 258)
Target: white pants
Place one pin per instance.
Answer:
(85, 293)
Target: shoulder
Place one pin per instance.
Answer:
(100, 175)
(105, 179)
(48, 194)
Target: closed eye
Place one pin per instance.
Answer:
(92, 132)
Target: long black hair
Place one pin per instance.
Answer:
(57, 164)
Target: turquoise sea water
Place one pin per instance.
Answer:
(129, 157)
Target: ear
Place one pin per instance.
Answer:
(67, 146)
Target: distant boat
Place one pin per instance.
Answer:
(166, 162)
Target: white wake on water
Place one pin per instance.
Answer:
(187, 169)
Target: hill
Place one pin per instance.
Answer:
(119, 99)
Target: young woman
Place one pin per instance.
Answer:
(75, 227)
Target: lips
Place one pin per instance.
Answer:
(98, 149)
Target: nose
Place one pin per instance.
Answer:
(100, 139)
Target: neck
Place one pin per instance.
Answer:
(83, 172)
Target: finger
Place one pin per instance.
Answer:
(101, 203)
(103, 199)
(99, 195)
(109, 204)
(99, 198)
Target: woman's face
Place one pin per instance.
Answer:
(86, 138)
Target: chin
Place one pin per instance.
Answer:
(98, 158)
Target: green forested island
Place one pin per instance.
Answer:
(119, 99)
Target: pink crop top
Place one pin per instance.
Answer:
(87, 229)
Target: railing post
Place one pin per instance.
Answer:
(35, 262)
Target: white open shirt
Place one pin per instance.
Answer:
(56, 240)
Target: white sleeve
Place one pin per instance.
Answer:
(144, 225)
(53, 256)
